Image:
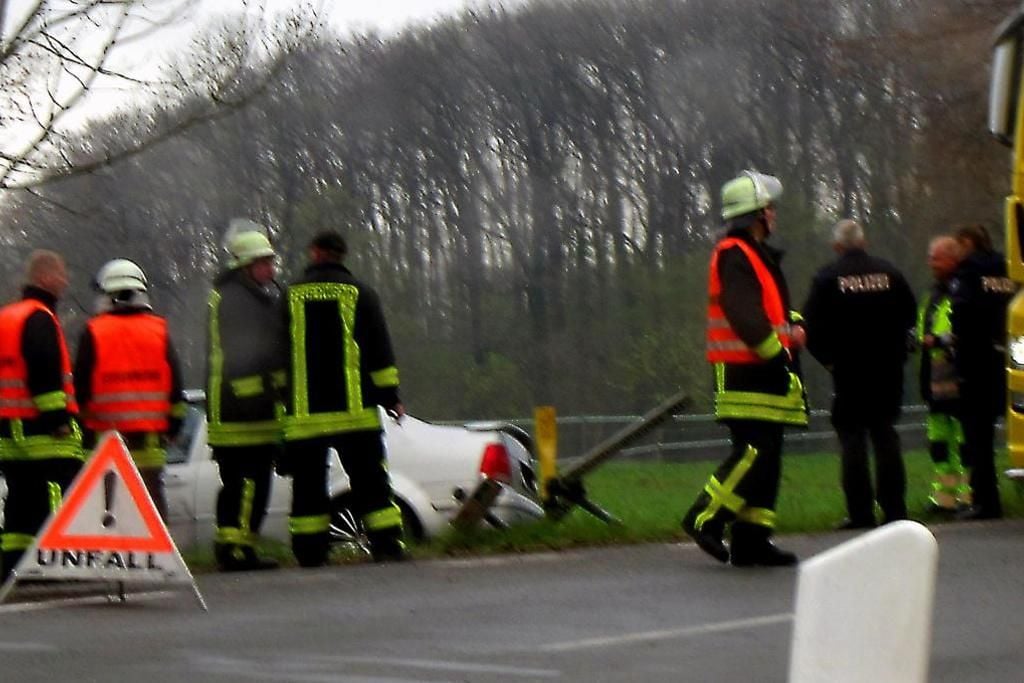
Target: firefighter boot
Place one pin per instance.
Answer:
(752, 547)
(707, 534)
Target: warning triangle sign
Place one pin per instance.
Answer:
(106, 528)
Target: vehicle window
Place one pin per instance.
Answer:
(179, 449)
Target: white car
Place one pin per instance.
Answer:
(432, 467)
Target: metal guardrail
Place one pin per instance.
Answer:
(699, 437)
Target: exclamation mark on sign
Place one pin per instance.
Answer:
(109, 484)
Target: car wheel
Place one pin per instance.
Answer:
(347, 529)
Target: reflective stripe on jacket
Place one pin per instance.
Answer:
(131, 377)
(723, 344)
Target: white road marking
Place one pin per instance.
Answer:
(87, 600)
(329, 668)
(438, 665)
(27, 647)
(667, 634)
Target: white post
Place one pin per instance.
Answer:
(864, 609)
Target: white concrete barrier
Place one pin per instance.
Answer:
(864, 609)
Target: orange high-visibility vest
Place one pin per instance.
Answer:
(723, 344)
(16, 401)
(131, 378)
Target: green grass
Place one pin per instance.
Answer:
(649, 498)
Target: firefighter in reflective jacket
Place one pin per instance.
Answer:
(127, 376)
(244, 389)
(40, 441)
(751, 341)
(341, 369)
(939, 385)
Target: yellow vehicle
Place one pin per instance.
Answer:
(1006, 122)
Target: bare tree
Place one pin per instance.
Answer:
(55, 53)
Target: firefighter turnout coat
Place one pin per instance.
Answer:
(748, 339)
(342, 363)
(246, 357)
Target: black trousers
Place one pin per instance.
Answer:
(35, 489)
(744, 489)
(246, 475)
(362, 456)
(890, 473)
(978, 453)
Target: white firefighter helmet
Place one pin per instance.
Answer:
(121, 275)
(749, 192)
(246, 241)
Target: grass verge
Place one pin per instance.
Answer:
(650, 498)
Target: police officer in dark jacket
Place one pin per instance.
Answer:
(859, 316)
(342, 368)
(980, 293)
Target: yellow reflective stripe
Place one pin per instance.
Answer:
(725, 498)
(387, 377)
(751, 405)
(245, 508)
(179, 409)
(316, 524)
(795, 317)
(232, 536)
(149, 457)
(244, 433)
(54, 494)
(247, 387)
(385, 518)
(53, 400)
(320, 424)
(770, 347)
(12, 541)
(346, 297)
(720, 492)
(43, 446)
(759, 516)
(216, 360)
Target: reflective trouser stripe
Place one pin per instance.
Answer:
(242, 534)
(759, 516)
(315, 524)
(233, 536)
(55, 494)
(385, 518)
(722, 495)
(12, 541)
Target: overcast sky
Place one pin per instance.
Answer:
(347, 16)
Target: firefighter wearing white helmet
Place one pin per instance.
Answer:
(246, 375)
(127, 375)
(752, 339)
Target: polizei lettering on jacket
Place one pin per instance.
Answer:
(96, 559)
(871, 282)
(998, 285)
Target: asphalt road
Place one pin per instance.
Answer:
(643, 613)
